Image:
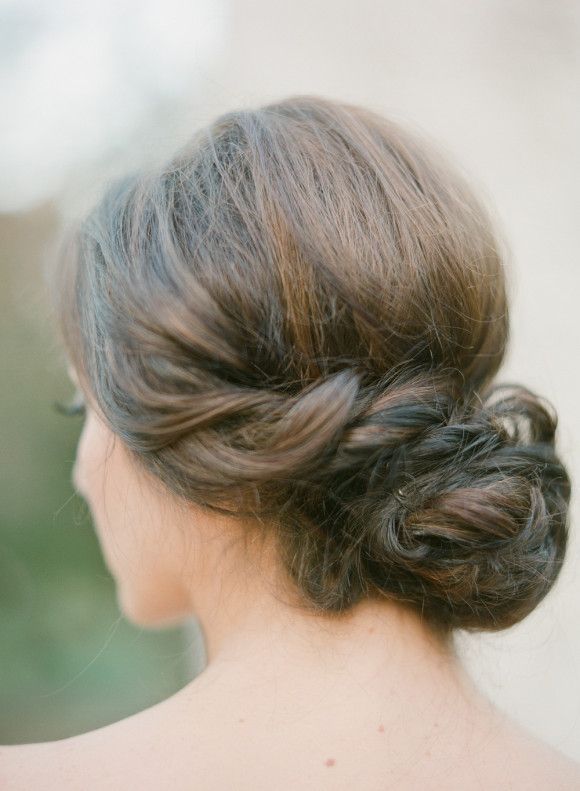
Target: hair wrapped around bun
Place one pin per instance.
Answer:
(300, 318)
(458, 507)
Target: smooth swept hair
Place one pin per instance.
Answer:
(299, 318)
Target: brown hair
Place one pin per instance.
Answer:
(299, 318)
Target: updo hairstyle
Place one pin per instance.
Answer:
(298, 319)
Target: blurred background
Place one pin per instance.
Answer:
(90, 90)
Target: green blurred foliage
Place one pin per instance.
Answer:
(69, 661)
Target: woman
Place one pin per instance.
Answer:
(285, 339)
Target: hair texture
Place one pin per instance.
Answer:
(299, 318)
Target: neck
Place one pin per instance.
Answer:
(255, 630)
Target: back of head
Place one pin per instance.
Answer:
(299, 318)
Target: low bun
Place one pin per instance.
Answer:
(300, 318)
(455, 505)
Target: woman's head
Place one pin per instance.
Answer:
(296, 322)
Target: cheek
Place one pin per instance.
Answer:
(90, 457)
(135, 538)
(100, 478)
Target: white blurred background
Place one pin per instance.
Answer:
(90, 89)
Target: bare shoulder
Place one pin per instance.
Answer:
(67, 764)
(162, 748)
(526, 763)
(26, 766)
(556, 770)
(105, 759)
(136, 752)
